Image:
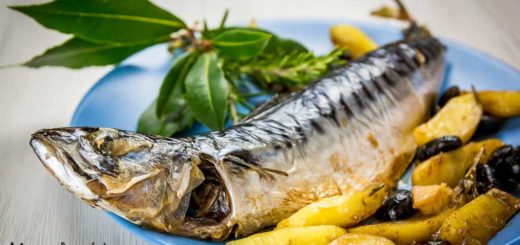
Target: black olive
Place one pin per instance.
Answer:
(505, 162)
(486, 178)
(488, 125)
(436, 146)
(433, 110)
(450, 93)
(398, 205)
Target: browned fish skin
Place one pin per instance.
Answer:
(350, 129)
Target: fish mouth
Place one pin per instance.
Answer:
(60, 164)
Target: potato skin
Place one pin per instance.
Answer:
(406, 231)
(361, 239)
(355, 41)
(450, 167)
(500, 103)
(459, 117)
(317, 235)
(479, 220)
(343, 211)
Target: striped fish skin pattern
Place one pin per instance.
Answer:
(349, 130)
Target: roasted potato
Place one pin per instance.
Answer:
(352, 39)
(479, 220)
(360, 239)
(344, 211)
(459, 117)
(450, 167)
(317, 235)
(406, 231)
(500, 103)
(431, 199)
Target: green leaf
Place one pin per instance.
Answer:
(241, 44)
(283, 46)
(275, 45)
(177, 117)
(78, 53)
(207, 91)
(175, 76)
(118, 21)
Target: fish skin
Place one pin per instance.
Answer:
(347, 131)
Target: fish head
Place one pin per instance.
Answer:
(144, 179)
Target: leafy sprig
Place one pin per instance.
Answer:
(292, 70)
(213, 69)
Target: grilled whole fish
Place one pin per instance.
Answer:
(345, 132)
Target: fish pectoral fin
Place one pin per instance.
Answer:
(264, 172)
(114, 189)
(275, 171)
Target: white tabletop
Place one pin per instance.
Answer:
(34, 209)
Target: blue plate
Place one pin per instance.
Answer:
(118, 99)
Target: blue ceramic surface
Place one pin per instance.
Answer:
(118, 98)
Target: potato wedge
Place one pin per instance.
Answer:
(406, 231)
(355, 41)
(431, 199)
(361, 239)
(450, 167)
(343, 211)
(479, 220)
(500, 103)
(317, 235)
(459, 117)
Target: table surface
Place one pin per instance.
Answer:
(34, 209)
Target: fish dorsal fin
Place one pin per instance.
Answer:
(272, 102)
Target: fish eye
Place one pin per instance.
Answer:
(103, 145)
(117, 147)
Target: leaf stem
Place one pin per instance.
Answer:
(233, 112)
(11, 65)
(224, 18)
(246, 104)
(205, 26)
